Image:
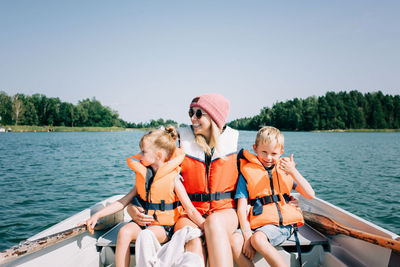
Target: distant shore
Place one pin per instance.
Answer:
(358, 130)
(27, 128)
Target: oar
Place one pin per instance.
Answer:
(328, 226)
(29, 247)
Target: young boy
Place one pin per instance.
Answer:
(265, 183)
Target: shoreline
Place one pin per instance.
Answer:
(29, 128)
(356, 130)
(33, 128)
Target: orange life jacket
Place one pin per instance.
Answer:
(268, 195)
(210, 186)
(160, 200)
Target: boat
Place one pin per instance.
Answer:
(66, 244)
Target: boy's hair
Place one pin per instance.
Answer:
(164, 138)
(268, 134)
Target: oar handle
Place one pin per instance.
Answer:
(29, 247)
(329, 226)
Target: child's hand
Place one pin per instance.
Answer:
(138, 216)
(91, 223)
(294, 202)
(287, 164)
(248, 250)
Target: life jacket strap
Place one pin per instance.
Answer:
(138, 201)
(296, 237)
(269, 199)
(211, 196)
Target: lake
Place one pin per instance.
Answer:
(47, 177)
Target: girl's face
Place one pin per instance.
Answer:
(148, 156)
(201, 122)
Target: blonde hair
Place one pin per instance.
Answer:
(268, 134)
(215, 134)
(164, 139)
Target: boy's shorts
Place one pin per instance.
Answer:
(275, 234)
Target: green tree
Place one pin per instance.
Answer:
(6, 105)
(18, 109)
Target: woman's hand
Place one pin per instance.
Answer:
(137, 214)
(248, 250)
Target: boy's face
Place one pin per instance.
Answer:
(268, 154)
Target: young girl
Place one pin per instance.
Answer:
(158, 192)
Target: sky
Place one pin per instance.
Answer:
(149, 59)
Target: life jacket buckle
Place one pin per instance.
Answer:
(258, 207)
(162, 205)
(217, 195)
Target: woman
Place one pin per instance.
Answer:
(210, 174)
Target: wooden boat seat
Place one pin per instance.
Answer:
(307, 237)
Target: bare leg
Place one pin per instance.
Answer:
(126, 235)
(159, 232)
(260, 242)
(194, 245)
(219, 227)
(236, 241)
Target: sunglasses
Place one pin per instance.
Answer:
(198, 113)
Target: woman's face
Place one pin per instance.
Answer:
(201, 122)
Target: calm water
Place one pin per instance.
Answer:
(47, 177)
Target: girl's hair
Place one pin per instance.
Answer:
(164, 139)
(268, 134)
(215, 134)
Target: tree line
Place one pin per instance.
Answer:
(342, 110)
(41, 110)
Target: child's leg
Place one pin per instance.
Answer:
(159, 232)
(260, 242)
(237, 241)
(126, 235)
(195, 245)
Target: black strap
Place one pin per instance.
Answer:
(211, 196)
(239, 157)
(296, 237)
(154, 206)
(269, 199)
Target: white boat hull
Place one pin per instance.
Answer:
(338, 250)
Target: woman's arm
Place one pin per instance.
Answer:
(191, 211)
(303, 186)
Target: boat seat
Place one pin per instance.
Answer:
(307, 237)
(109, 239)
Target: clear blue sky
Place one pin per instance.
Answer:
(148, 59)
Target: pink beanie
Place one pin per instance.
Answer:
(214, 105)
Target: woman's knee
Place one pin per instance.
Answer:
(213, 224)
